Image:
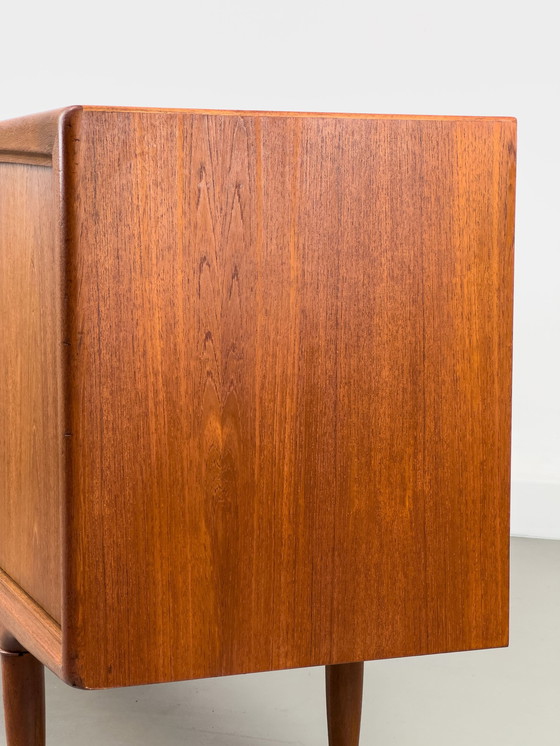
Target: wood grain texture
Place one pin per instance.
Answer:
(31, 436)
(23, 689)
(344, 689)
(288, 390)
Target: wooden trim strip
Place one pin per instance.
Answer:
(30, 625)
(30, 159)
(30, 139)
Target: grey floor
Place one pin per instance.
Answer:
(508, 697)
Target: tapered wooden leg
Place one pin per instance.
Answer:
(23, 683)
(344, 703)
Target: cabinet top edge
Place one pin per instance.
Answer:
(265, 113)
(47, 122)
(31, 139)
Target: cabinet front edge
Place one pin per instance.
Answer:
(23, 618)
(31, 139)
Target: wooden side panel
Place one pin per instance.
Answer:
(290, 406)
(31, 435)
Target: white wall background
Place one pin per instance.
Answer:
(495, 57)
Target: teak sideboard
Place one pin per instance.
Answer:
(255, 396)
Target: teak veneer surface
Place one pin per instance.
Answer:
(285, 405)
(30, 383)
